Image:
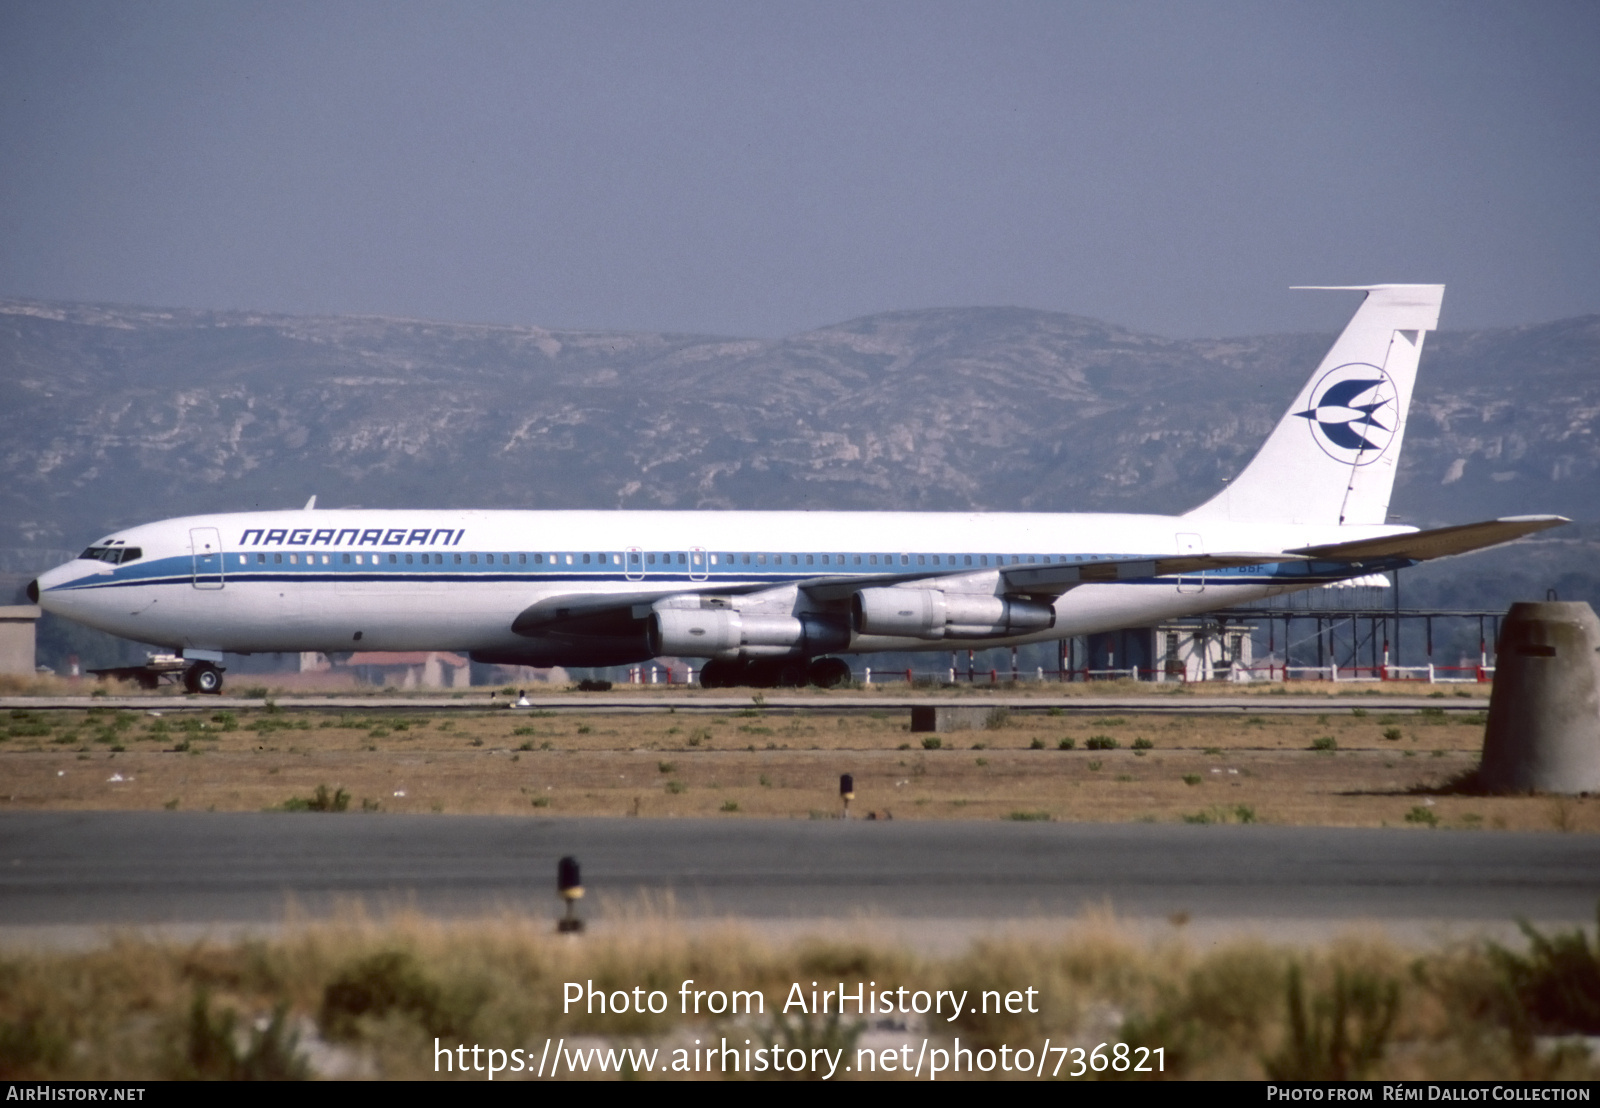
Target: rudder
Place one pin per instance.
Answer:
(1332, 457)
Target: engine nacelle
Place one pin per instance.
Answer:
(933, 614)
(695, 632)
(725, 633)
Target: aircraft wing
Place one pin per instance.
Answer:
(594, 610)
(540, 616)
(1057, 579)
(1438, 543)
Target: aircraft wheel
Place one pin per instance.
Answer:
(792, 674)
(763, 673)
(778, 673)
(720, 673)
(829, 673)
(203, 677)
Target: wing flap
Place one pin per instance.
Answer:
(1060, 578)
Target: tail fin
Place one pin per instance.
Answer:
(1332, 457)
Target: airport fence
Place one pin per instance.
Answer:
(1272, 671)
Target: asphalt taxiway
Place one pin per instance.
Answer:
(98, 869)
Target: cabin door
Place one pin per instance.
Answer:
(1190, 544)
(205, 545)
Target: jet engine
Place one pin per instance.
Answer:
(725, 633)
(934, 614)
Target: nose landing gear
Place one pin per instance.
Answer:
(203, 677)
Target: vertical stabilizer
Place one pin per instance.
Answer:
(1332, 457)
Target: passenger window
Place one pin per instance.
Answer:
(682, 559)
(873, 559)
(747, 559)
(808, 560)
(458, 559)
(858, 559)
(261, 559)
(538, 559)
(393, 560)
(522, 559)
(651, 558)
(586, 559)
(294, 559)
(761, 559)
(794, 559)
(277, 559)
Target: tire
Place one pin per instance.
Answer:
(777, 673)
(720, 673)
(829, 673)
(762, 674)
(203, 677)
(792, 674)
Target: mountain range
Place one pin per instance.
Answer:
(113, 415)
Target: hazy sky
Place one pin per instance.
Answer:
(761, 168)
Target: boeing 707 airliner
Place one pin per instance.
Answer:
(773, 598)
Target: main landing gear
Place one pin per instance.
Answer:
(774, 673)
(203, 677)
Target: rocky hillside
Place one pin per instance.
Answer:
(113, 415)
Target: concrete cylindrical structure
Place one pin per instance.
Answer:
(1544, 716)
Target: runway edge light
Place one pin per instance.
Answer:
(570, 885)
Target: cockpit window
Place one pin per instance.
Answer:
(113, 554)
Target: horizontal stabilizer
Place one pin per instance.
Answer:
(1439, 543)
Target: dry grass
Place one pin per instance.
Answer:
(362, 998)
(771, 764)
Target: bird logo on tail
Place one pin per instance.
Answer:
(1353, 413)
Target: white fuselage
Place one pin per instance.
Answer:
(334, 580)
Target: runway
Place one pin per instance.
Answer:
(695, 701)
(77, 869)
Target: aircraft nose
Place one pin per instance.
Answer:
(33, 591)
